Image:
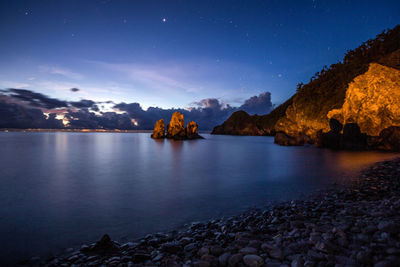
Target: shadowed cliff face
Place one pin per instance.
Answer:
(241, 123)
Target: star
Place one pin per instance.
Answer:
(164, 20)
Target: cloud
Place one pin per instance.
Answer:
(164, 77)
(61, 71)
(13, 115)
(35, 99)
(258, 104)
(21, 108)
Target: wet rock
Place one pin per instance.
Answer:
(140, 257)
(201, 263)
(297, 262)
(104, 245)
(190, 247)
(202, 251)
(216, 250)
(223, 259)
(171, 247)
(248, 250)
(276, 253)
(388, 227)
(253, 260)
(235, 259)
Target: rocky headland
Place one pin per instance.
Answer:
(176, 129)
(357, 224)
(241, 123)
(362, 93)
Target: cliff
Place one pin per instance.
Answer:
(363, 89)
(241, 123)
(372, 100)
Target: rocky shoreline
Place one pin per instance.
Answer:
(353, 225)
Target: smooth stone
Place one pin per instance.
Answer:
(235, 259)
(253, 260)
(248, 250)
(223, 259)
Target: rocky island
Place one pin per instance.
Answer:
(176, 129)
(361, 95)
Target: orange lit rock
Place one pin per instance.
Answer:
(159, 130)
(372, 100)
(176, 128)
(192, 130)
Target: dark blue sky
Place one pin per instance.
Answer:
(172, 53)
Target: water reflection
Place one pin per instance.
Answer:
(62, 189)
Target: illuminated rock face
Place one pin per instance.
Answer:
(176, 128)
(159, 130)
(372, 100)
(192, 130)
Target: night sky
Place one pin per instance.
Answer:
(173, 53)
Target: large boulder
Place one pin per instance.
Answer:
(352, 138)
(192, 131)
(176, 127)
(335, 125)
(159, 130)
(389, 139)
(332, 138)
(104, 246)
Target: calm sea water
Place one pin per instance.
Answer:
(59, 190)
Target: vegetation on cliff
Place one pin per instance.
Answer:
(306, 112)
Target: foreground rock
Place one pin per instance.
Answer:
(159, 130)
(353, 225)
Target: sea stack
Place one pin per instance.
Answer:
(176, 129)
(159, 130)
(192, 131)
